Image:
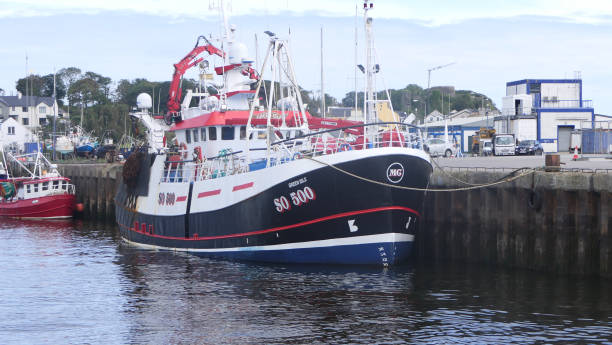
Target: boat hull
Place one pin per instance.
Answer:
(47, 207)
(339, 219)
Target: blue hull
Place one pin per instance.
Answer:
(85, 148)
(362, 254)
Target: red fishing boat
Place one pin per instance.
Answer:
(44, 194)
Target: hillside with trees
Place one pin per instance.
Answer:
(106, 104)
(415, 99)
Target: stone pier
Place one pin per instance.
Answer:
(556, 222)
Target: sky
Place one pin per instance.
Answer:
(489, 42)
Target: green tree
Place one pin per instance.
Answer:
(42, 86)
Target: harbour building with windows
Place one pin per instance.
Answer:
(547, 110)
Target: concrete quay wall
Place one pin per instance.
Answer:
(95, 185)
(548, 221)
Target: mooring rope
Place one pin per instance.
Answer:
(507, 179)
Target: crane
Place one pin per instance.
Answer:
(434, 69)
(190, 60)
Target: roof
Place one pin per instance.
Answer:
(233, 118)
(15, 101)
(471, 121)
(3, 101)
(544, 81)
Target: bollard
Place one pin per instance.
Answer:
(553, 162)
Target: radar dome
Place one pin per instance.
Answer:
(238, 52)
(144, 101)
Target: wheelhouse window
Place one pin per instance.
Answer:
(195, 135)
(242, 132)
(203, 133)
(64, 185)
(227, 133)
(188, 136)
(212, 133)
(55, 184)
(36, 188)
(45, 186)
(27, 188)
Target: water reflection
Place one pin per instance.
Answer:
(78, 282)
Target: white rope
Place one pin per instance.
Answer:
(505, 180)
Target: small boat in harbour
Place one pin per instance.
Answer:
(266, 181)
(44, 194)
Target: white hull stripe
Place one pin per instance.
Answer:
(347, 241)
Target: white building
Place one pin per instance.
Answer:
(434, 116)
(546, 110)
(30, 111)
(14, 135)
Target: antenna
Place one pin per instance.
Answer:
(322, 81)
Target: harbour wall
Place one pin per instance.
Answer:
(557, 222)
(95, 185)
(547, 221)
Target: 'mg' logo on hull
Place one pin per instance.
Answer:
(395, 172)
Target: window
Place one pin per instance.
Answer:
(55, 185)
(42, 110)
(42, 121)
(25, 121)
(212, 133)
(11, 131)
(64, 185)
(188, 136)
(24, 109)
(27, 188)
(45, 186)
(203, 133)
(36, 188)
(242, 132)
(13, 108)
(227, 133)
(195, 135)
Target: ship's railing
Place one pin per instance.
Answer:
(315, 144)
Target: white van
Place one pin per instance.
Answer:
(504, 145)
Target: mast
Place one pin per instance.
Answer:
(322, 88)
(54, 114)
(369, 114)
(355, 61)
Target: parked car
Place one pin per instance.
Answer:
(487, 147)
(529, 147)
(439, 147)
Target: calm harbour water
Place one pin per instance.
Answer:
(77, 282)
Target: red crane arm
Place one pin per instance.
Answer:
(175, 93)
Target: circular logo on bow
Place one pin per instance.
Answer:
(395, 172)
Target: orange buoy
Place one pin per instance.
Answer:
(79, 207)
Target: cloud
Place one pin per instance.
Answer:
(425, 13)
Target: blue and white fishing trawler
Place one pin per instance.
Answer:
(263, 180)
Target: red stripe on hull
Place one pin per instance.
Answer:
(242, 186)
(286, 227)
(55, 206)
(209, 193)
